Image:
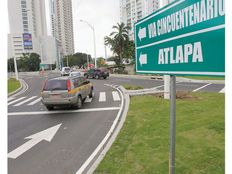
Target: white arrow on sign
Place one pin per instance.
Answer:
(142, 33)
(142, 59)
(47, 135)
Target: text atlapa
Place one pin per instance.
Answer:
(181, 54)
(196, 13)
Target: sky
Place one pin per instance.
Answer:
(102, 14)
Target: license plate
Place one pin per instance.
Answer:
(55, 96)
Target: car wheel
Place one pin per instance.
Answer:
(91, 94)
(86, 76)
(79, 102)
(96, 76)
(49, 108)
(105, 77)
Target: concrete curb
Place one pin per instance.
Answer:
(115, 133)
(17, 90)
(179, 79)
(95, 158)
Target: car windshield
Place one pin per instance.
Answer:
(55, 85)
(67, 69)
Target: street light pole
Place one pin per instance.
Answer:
(16, 69)
(94, 40)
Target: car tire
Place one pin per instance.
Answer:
(86, 76)
(91, 94)
(97, 76)
(79, 102)
(50, 108)
(104, 77)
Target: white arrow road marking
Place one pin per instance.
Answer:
(115, 96)
(35, 101)
(142, 33)
(102, 97)
(25, 101)
(16, 100)
(143, 59)
(47, 135)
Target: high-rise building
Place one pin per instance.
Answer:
(28, 30)
(62, 24)
(133, 10)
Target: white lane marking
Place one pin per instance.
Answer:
(102, 97)
(25, 101)
(88, 100)
(9, 99)
(100, 146)
(16, 100)
(115, 96)
(34, 102)
(64, 111)
(156, 87)
(222, 91)
(46, 135)
(202, 87)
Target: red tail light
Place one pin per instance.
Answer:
(69, 85)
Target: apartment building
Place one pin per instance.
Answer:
(28, 30)
(133, 10)
(62, 24)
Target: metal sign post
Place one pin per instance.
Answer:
(172, 124)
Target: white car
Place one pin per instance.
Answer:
(65, 71)
(75, 73)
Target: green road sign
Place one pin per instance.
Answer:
(185, 37)
(41, 65)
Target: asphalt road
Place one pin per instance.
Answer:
(75, 140)
(80, 131)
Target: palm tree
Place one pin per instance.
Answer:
(118, 40)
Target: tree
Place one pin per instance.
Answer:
(117, 41)
(34, 62)
(77, 59)
(129, 51)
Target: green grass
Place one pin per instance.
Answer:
(142, 146)
(132, 87)
(13, 85)
(205, 77)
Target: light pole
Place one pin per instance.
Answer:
(16, 69)
(87, 60)
(94, 40)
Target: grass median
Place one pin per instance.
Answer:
(142, 146)
(13, 85)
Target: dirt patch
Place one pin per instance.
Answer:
(179, 95)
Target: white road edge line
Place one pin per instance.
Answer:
(87, 162)
(222, 91)
(64, 111)
(195, 90)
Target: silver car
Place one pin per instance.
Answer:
(69, 91)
